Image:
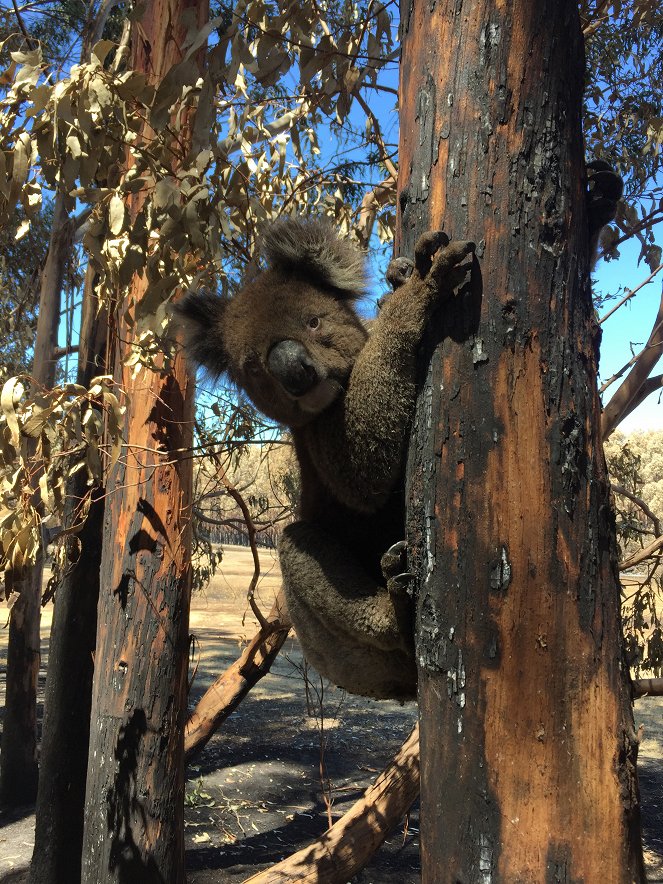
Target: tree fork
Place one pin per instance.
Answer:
(528, 748)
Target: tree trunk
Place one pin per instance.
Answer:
(68, 696)
(528, 748)
(134, 829)
(18, 762)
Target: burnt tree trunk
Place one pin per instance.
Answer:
(18, 762)
(134, 828)
(528, 749)
(68, 695)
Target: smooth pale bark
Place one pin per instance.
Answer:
(528, 749)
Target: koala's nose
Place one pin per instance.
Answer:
(290, 364)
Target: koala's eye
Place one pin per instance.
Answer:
(314, 323)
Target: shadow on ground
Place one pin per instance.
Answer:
(256, 793)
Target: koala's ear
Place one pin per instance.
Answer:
(200, 316)
(312, 250)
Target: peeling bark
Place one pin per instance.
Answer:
(527, 737)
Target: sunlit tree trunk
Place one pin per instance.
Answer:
(528, 748)
(135, 782)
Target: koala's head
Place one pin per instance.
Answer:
(291, 336)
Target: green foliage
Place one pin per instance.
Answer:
(623, 117)
(21, 262)
(636, 469)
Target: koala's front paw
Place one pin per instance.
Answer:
(604, 190)
(448, 269)
(399, 271)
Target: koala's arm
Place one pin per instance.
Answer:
(358, 444)
(605, 189)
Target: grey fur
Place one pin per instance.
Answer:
(349, 427)
(312, 249)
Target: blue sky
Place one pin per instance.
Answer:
(629, 327)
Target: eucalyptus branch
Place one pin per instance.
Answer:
(639, 502)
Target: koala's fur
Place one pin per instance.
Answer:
(293, 341)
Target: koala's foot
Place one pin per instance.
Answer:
(394, 568)
(604, 190)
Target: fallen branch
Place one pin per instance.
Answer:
(230, 688)
(641, 556)
(650, 687)
(346, 848)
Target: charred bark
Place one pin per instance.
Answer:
(18, 762)
(528, 747)
(68, 695)
(134, 828)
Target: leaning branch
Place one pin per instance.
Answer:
(630, 389)
(346, 848)
(230, 688)
(643, 555)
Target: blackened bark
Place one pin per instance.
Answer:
(134, 813)
(18, 761)
(68, 695)
(527, 738)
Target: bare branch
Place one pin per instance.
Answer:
(642, 555)
(642, 365)
(380, 195)
(638, 501)
(648, 687)
(630, 295)
(227, 692)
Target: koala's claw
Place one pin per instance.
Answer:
(394, 560)
(427, 245)
(399, 271)
(401, 584)
(604, 190)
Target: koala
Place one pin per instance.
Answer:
(605, 189)
(292, 340)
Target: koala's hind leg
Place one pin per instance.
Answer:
(347, 623)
